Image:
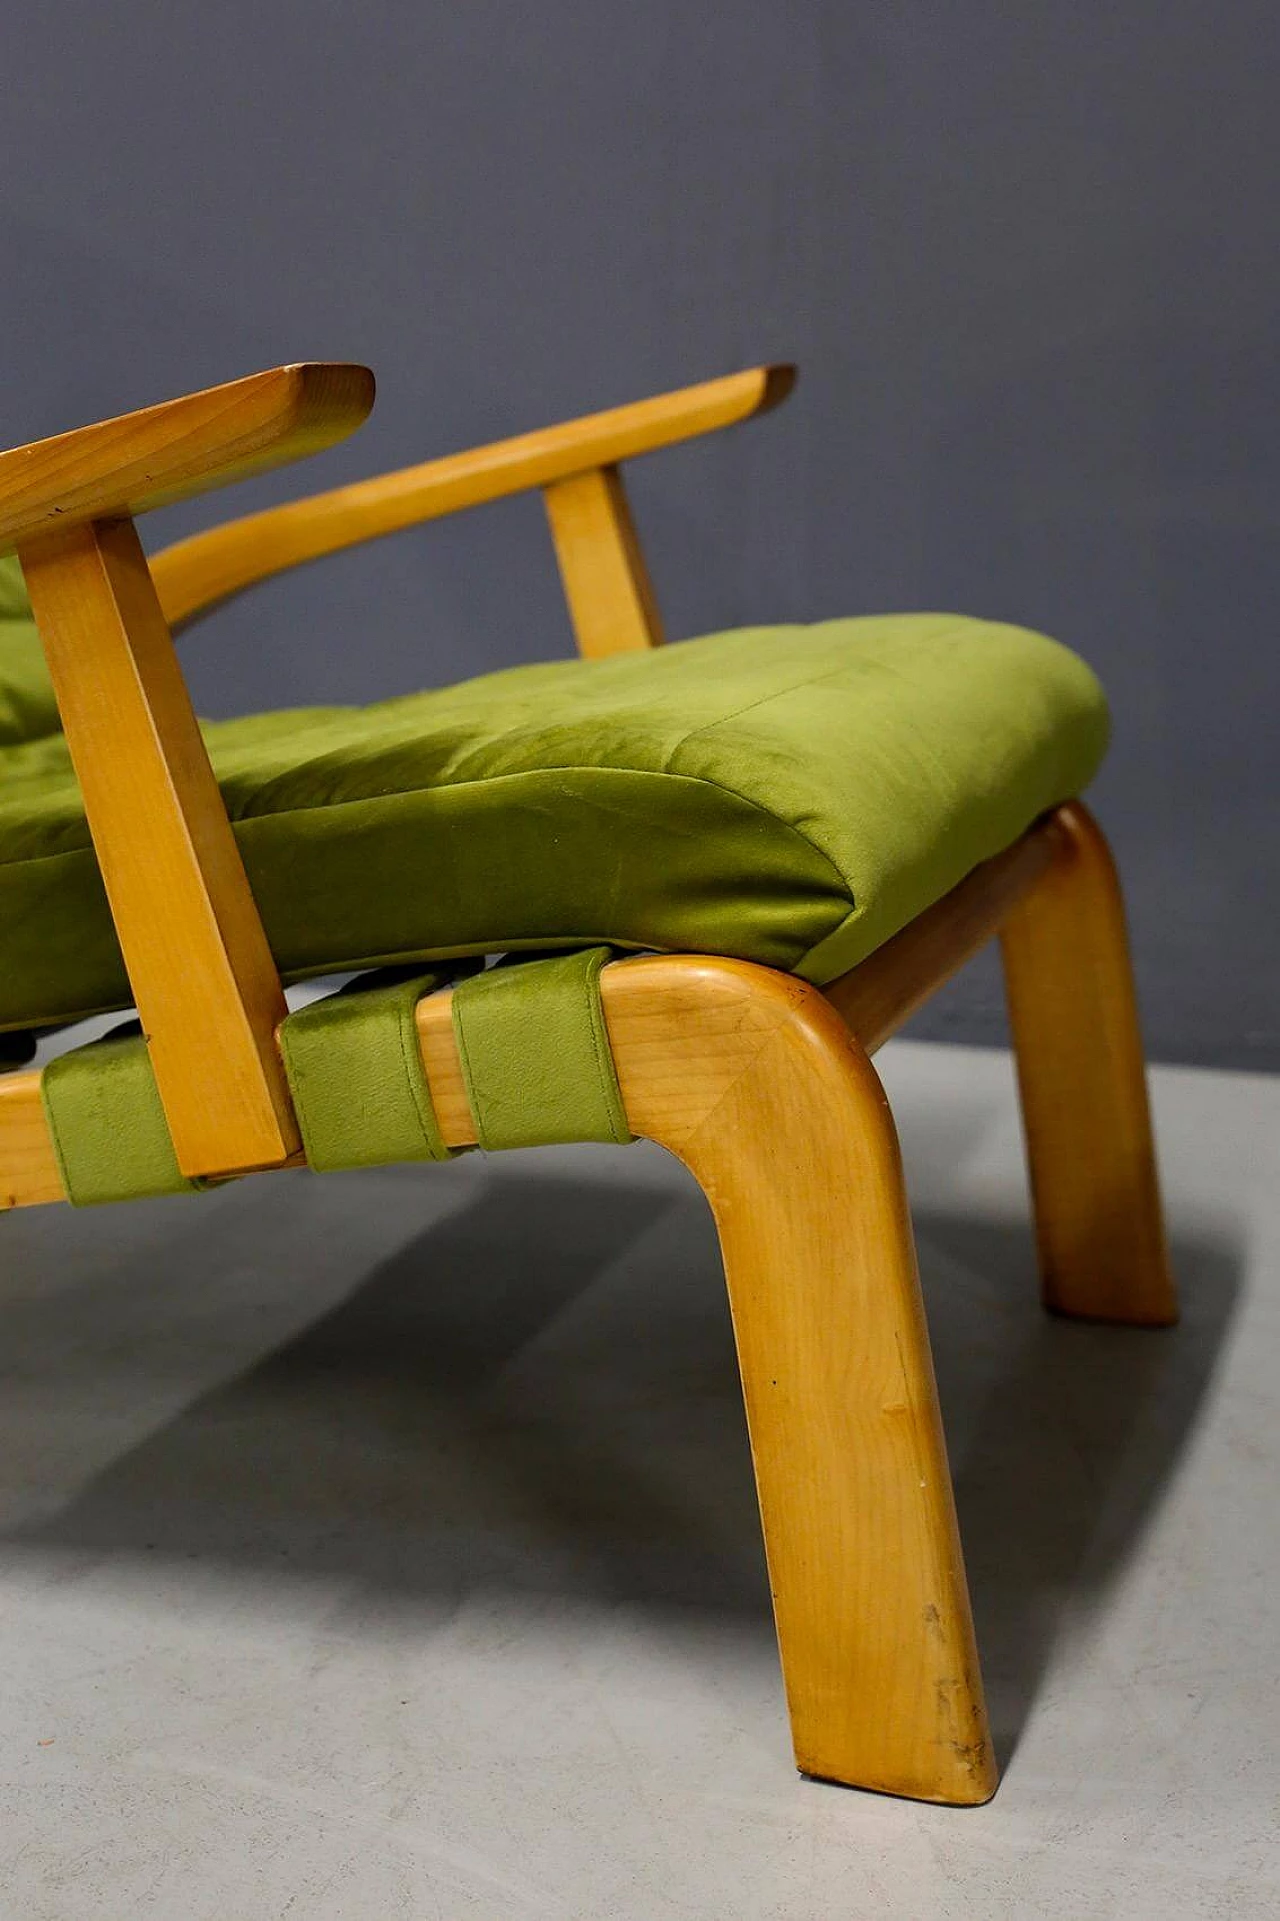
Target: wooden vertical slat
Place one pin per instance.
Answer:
(203, 978)
(606, 582)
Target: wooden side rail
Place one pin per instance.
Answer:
(878, 997)
(874, 1000)
(203, 978)
(606, 583)
(576, 463)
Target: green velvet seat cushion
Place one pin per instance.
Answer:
(27, 705)
(789, 795)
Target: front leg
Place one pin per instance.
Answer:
(755, 1082)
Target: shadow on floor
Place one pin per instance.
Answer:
(539, 1395)
(1063, 1436)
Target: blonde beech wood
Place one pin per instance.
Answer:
(1086, 1117)
(877, 997)
(799, 1161)
(195, 574)
(606, 582)
(203, 979)
(29, 1173)
(757, 1085)
(187, 446)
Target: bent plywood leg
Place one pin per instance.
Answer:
(1084, 1093)
(754, 1081)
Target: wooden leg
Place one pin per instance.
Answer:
(755, 1082)
(1084, 1094)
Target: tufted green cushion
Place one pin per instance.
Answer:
(27, 706)
(791, 795)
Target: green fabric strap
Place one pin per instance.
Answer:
(356, 1074)
(535, 1054)
(531, 1039)
(107, 1125)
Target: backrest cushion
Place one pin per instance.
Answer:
(27, 706)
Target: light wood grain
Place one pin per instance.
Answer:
(1099, 1223)
(195, 574)
(203, 979)
(606, 581)
(798, 1158)
(187, 446)
(670, 1092)
(29, 1172)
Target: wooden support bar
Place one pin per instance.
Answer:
(606, 581)
(663, 1098)
(877, 997)
(203, 978)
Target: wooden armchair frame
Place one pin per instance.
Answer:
(760, 1083)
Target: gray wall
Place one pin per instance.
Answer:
(1026, 256)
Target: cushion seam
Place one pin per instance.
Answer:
(406, 1019)
(51, 1122)
(464, 1061)
(779, 693)
(523, 773)
(607, 1071)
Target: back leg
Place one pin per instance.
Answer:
(1086, 1118)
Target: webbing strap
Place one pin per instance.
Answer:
(531, 1040)
(107, 1125)
(355, 1072)
(535, 1054)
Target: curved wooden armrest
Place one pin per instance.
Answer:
(124, 466)
(195, 574)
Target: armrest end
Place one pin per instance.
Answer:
(779, 380)
(122, 467)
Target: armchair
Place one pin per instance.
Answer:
(799, 833)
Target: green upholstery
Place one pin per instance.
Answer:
(107, 1126)
(355, 1072)
(535, 1055)
(789, 795)
(531, 1040)
(27, 706)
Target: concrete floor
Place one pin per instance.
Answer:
(386, 1545)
